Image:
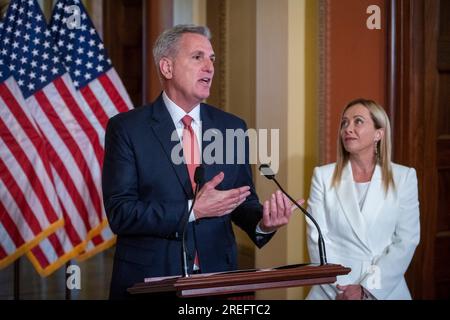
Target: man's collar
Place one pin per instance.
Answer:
(177, 113)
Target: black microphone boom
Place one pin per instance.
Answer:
(269, 174)
(198, 179)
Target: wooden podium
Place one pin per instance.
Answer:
(224, 283)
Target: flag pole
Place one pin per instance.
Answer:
(17, 279)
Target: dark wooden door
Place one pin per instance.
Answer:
(437, 97)
(419, 98)
(123, 29)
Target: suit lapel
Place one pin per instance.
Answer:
(346, 193)
(163, 128)
(207, 124)
(374, 199)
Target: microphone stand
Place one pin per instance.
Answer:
(271, 176)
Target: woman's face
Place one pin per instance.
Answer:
(358, 132)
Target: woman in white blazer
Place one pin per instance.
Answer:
(367, 208)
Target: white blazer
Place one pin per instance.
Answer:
(377, 242)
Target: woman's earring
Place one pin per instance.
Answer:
(376, 148)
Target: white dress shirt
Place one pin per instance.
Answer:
(177, 114)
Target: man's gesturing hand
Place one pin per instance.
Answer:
(277, 212)
(215, 203)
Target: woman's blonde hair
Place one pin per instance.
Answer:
(383, 147)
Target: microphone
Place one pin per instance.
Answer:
(198, 179)
(267, 172)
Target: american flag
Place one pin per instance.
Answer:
(71, 141)
(29, 207)
(96, 81)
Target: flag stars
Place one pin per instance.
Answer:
(43, 78)
(55, 70)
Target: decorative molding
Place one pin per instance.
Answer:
(223, 23)
(324, 82)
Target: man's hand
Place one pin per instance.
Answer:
(277, 212)
(215, 203)
(350, 292)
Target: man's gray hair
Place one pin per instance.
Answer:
(167, 43)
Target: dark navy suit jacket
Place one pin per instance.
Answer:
(146, 197)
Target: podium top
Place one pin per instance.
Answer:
(242, 280)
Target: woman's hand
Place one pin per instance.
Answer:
(350, 292)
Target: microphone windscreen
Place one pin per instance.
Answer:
(266, 171)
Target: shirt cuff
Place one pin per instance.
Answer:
(258, 229)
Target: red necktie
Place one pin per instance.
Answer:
(191, 152)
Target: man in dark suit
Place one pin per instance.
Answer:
(147, 192)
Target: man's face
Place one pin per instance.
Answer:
(189, 74)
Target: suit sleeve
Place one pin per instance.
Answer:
(389, 268)
(127, 214)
